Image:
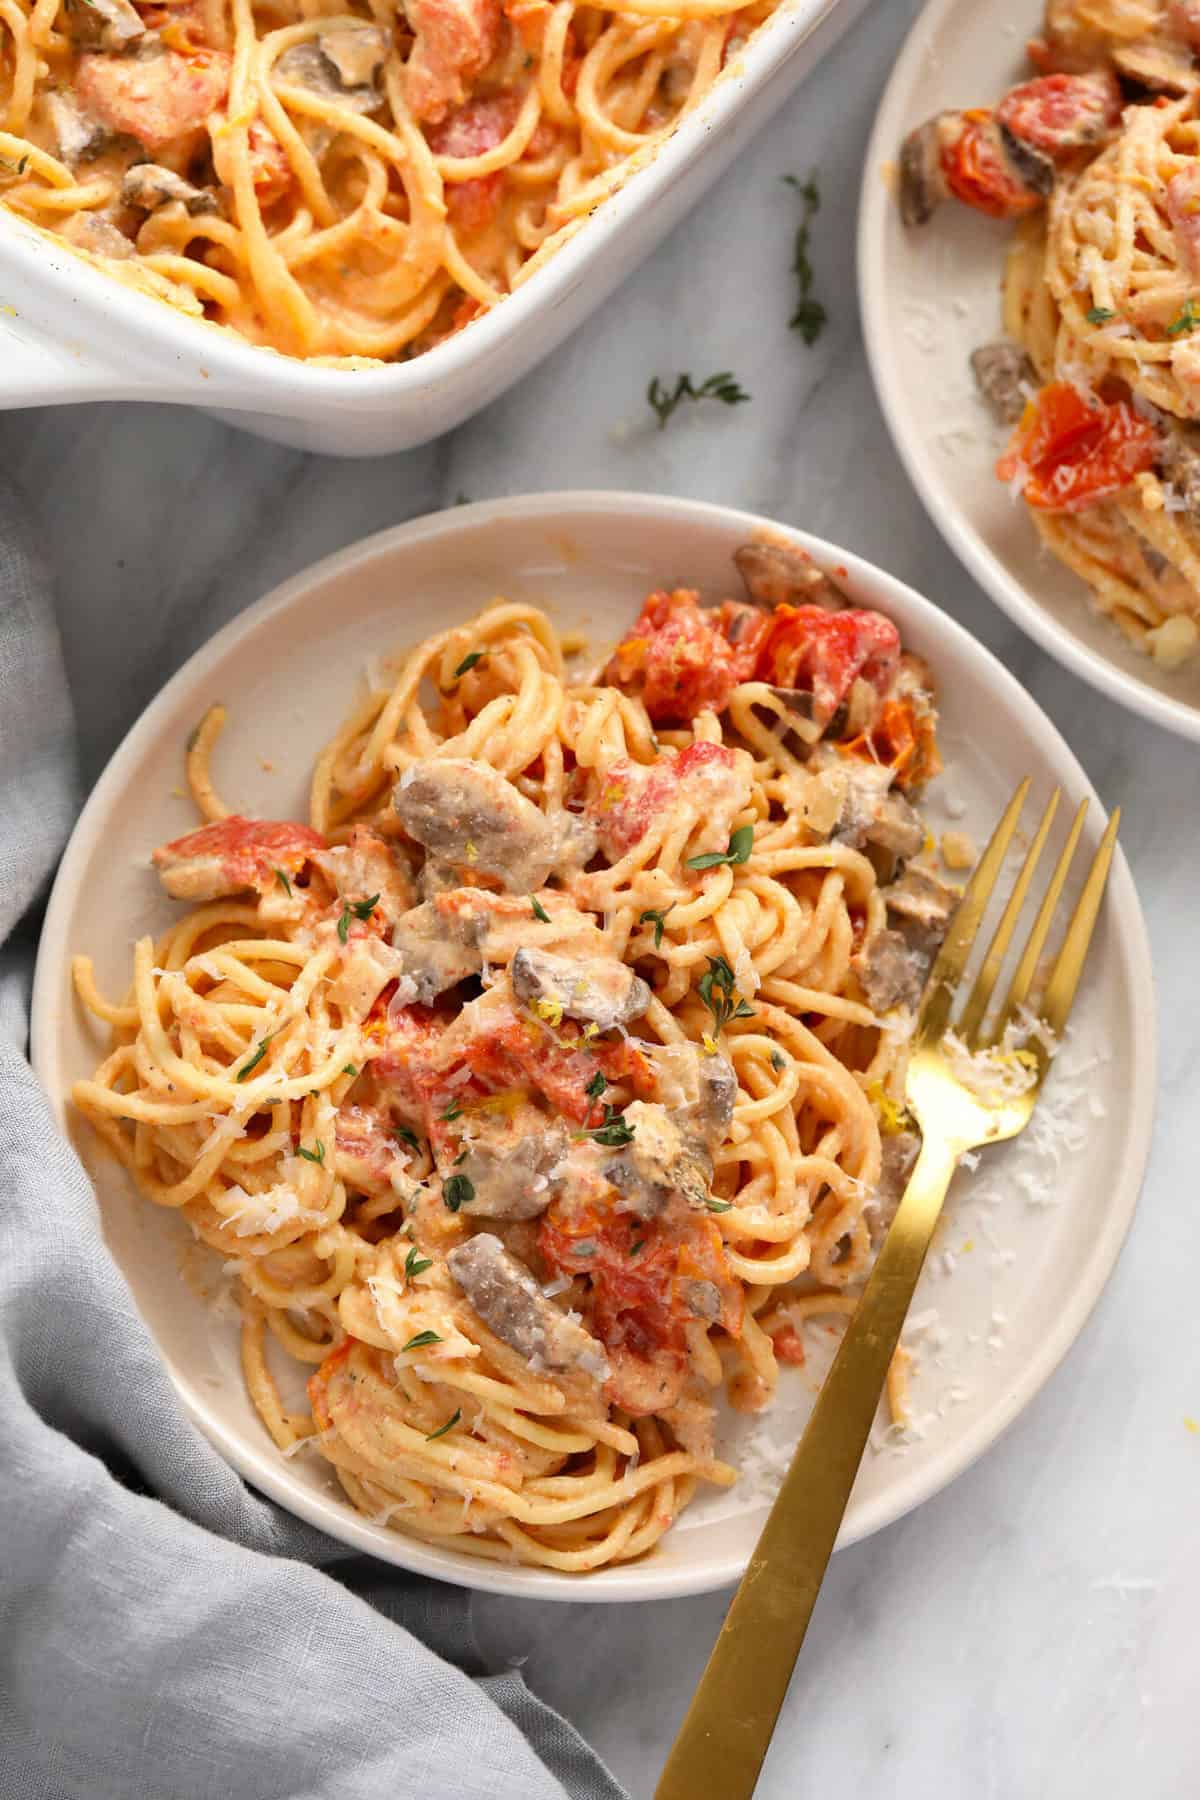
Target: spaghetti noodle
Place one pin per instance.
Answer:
(338, 183)
(552, 1075)
(1102, 294)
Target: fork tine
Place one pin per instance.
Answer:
(1022, 981)
(1060, 990)
(956, 946)
(985, 981)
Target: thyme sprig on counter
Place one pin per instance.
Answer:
(810, 317)
(722, 386)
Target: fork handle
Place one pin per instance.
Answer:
(727, 1730)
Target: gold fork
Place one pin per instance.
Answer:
(725, 1736)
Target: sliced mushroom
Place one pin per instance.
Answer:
(923, 906)
(357, 52)
(513, 1307)
(89, 231)
(77, 135)
(718, 1096)
(468, 815)
(342, 65)
(1004, 375)
(662, 1162)
(777, 573)
(1180, 463)
(1032, 168)
(102, 24)
(601, 989)
(509, 1160)
(872, 813)
(698, 1090)
(890, 972)
(438, 952)
(922, 184)
(148, 185)
(795, 707)
(1162, 66)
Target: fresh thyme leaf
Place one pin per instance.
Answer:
(415, 1264)
(1099, 315)
(421, 1342)
(810, 317)
(313, 1156)
(718, 1206)
(660, 919)
(358, 909)
(640, 1245)
(1188, 319)
(539, 911)
(451, 1422)
(458, 1190)
(453, 1111)
(406, 1136)
(595, 1086)
(613, 1135)
(283, 881)
(718, 992)
(612, 1132)
(468, 663)
(740, 846)
(778, 1061)
(259, 1053)
(722, 386)
(349, 1069)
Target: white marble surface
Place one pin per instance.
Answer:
(1032, 1631)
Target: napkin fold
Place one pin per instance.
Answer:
(168, 1633)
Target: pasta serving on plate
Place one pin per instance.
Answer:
(340, 181)
(1097, 159)
(541, 1085)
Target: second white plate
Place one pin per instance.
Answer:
(929, 296)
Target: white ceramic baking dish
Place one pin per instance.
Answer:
(70, 333)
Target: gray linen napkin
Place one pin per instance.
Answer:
(167, 1633)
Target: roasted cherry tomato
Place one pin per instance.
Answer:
(641, 1272)
(824, 653)
(628, 802)
(977, 172)
(1059, 113)
(681, 658)
(1074, 450)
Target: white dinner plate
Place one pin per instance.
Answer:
(1030, 1237)
(929, 296)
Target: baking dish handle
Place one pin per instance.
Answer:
(35, 371)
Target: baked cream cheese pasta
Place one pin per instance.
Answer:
(1097, 158)
(541, 1085)
(340, 181)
